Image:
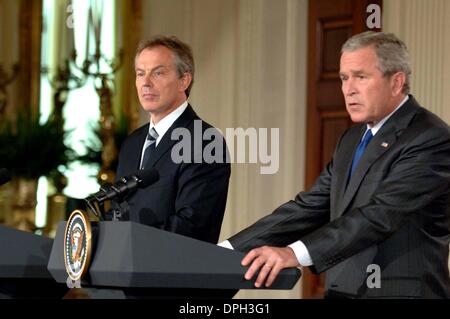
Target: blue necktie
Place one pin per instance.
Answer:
(151, 145)
(360, 150)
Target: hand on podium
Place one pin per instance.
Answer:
(269, 261)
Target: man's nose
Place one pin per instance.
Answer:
(148, 80)
(349, 88)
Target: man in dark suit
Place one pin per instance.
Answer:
(190, 196)
(377, 219)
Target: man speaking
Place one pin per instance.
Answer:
(383, 200)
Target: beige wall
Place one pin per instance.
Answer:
(250, 72)
(424, 25)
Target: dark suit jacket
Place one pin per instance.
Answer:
(189, 198)
(394, 212)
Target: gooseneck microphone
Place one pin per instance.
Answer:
(128, 184)
(122, 188)
(5, 176)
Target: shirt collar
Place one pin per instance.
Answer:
(164, 124)
(377, 127)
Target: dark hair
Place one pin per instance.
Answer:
(184, 60)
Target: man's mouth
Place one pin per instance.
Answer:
(148, 94)
(147, 90)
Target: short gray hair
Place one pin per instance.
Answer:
(391, 52)
(184, 59)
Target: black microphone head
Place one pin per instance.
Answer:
(5, 177)
(147, 177)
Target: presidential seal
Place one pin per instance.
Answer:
(77, 245)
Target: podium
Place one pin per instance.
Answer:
(144, 262)
(23, 266)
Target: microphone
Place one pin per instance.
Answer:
(126, 185)
(5, 176)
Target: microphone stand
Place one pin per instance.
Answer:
(119, 192)
(95, 207)
(121, 211)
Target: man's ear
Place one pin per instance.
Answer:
(397, 82)
(185, 81)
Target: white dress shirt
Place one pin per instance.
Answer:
(163, 125)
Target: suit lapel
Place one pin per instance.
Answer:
(135, 156)
(380, 143)
(376, 148)
(344, 166)
(166, 142)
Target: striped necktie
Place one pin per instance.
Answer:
(151, 145)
